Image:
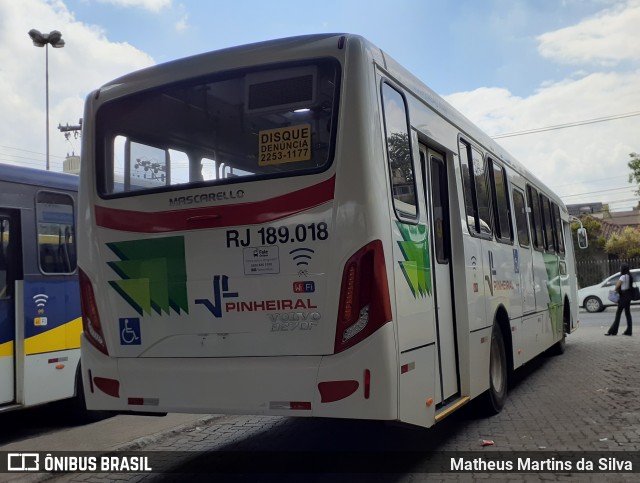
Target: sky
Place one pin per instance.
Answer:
(511, 66)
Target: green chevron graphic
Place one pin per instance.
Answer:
(416, 266)
(153, 273)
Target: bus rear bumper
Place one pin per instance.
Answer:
(358, 383)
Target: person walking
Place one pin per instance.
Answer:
(624, 287)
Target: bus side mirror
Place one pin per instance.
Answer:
(583, 241)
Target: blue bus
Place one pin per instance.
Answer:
(40, 322)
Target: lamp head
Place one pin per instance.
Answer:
(38, 39)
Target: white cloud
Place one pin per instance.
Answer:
(87, 61)
(588, 162)
(608, 38)
(583, 159)
(182, 24)
(151, 5)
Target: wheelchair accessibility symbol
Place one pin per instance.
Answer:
(130, 331)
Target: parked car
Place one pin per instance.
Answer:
(595, 297)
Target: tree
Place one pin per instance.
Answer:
(634, 166)
(400, 156)
(624, 245)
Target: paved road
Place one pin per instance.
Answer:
(586, 402)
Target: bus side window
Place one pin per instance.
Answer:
(4, 257)
(396, 125)
(56, 240)
(535, 217)
(521, 218)
(547, 221)
(501, 202)
(476, 189)
(483, 192)
(557, 227)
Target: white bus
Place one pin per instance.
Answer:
(300, 227)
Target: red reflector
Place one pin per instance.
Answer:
(332, 391)
(135, 401)
(367, 383)
(407, 367)
(110, 387)
(302, 405)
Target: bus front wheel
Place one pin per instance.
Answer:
(496, 396)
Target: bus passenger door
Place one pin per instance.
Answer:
(435, 184)
(8, 234)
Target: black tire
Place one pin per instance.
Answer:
(559, 347)
(593, 304)
(77, 407)
(494, 399)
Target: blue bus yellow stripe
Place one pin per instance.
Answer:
(6, 349)
(66, 336)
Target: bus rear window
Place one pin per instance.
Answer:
(244, 125)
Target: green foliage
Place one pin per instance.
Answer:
(625, 245)
(634, 166)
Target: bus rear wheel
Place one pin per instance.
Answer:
(495, 397)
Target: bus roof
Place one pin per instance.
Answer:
(38, 177)
(246, 54)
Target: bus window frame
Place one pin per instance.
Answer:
(557, 228)
(545, 209)
(103, 149)
(6, 291)
(400, 215)
(538, 244)
(477, 230)
(497, 228)
(37, 231)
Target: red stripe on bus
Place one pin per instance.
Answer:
(217, 216)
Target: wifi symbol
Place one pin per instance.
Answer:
(40, 299)
(302, 256)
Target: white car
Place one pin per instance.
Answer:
(595, 297)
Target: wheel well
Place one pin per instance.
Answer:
(502, 319)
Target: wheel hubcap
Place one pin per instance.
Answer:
(592, 305)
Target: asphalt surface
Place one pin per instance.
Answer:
(576, 409)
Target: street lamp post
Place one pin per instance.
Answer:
(43, 40)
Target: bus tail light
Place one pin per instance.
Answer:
(364, 297)
(90, 318)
